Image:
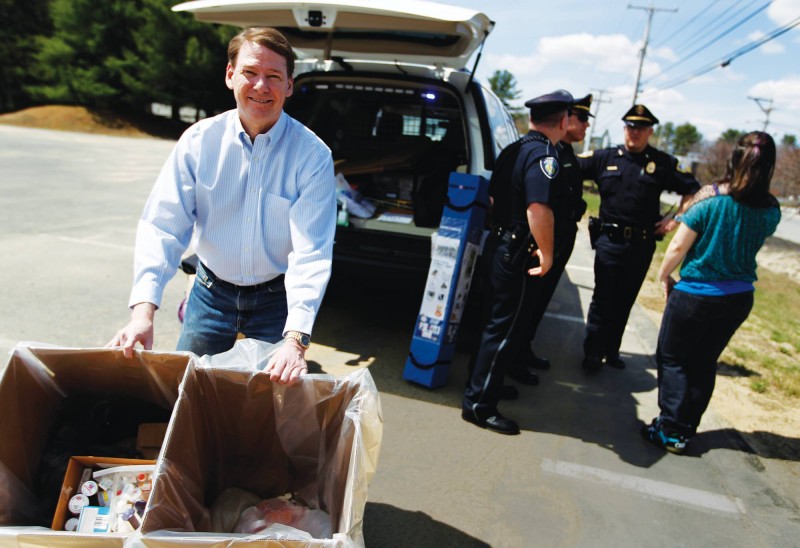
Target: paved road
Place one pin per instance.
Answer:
(789, 227)
(578, 475)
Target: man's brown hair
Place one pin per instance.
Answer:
(548, 118)
(267, 37)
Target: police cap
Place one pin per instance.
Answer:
(639, 115)
(550, 103)
(582, 106)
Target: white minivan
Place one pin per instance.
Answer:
(385, 85)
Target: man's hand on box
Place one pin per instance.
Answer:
(288, 364)
(139, 329)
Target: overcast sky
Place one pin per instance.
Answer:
(585, 46)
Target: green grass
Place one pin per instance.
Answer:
(758, 385)
(592, 198)
(768, 343)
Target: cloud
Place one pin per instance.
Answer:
(520, 65)
(614, 54)
(667, 54)
(770, 47)
(609, 53)
(785, 92)
(783, 11)
(576, 62)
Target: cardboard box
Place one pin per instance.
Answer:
(318, 439)
(72, 479)
(39, 383)
(151, 438)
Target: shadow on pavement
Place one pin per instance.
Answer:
(386, 525)
(764, 444)
(372, 317)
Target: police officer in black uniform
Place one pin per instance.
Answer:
(527, 196)
(565, 232)
(630, 179)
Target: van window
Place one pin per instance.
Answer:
(504, 132)
(356, 119)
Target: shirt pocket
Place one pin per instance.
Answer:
(275, 215)
(610, 182)
(650, 188)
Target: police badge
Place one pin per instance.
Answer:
(549, 167)
(651, 167)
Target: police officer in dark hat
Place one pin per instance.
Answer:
(566, 230)
(630, 179)
(527, 195)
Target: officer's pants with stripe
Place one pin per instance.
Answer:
(509, 295)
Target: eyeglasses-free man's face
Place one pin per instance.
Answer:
(260, 86)
(636, 137)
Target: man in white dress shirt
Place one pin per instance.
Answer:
(258, 190)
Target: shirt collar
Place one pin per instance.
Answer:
(643, 154)
(275, 132)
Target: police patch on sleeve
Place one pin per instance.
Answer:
(549, 167)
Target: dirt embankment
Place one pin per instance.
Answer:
(72, 118)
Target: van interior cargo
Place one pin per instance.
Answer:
(395, 143)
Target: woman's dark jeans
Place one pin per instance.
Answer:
(694, 331)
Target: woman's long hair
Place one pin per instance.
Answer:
(750, 169)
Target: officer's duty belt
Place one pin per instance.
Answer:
(508, 235)
(618, 232)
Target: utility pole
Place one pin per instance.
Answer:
(643, 51)
(596, 102)
(766, 110)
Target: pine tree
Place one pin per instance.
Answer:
(22, 19)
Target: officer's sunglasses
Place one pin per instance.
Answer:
(580, 115)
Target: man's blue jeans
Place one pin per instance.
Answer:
(694, 331)
(217, 311)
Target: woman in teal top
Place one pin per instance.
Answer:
(717, 241)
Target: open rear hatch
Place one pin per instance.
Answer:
(375, 30)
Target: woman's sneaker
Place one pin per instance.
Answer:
(671, 441)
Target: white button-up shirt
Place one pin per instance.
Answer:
(259, 209)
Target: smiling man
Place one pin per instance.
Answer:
(257, 189)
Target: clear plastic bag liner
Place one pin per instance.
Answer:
(233, 428)
(42, 537)
(37, 380)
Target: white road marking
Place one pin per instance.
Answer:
(576, 319)
(668, 492)
(91, 242)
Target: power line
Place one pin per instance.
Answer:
(684, 27)
(727, 59)
(715, 39)
(723, 18)
(763, 40)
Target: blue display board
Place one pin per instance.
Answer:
(456, 247)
